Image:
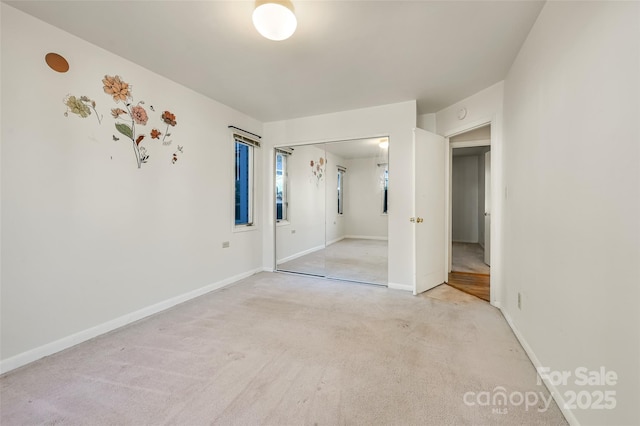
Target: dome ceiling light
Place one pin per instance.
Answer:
(274, 19)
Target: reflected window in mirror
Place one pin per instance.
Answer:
(341, 172)
(282, 203)
(385, 190)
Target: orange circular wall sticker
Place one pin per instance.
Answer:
(56, 62)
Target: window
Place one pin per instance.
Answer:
(385, 191)
(341, 189)
(244, 180)
(281, 186)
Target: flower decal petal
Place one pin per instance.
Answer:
(117, 112)
(115, 87)
(169, 118)
(76, 106)
(139, 115)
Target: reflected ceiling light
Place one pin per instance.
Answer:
(274, 19)
(384, 143)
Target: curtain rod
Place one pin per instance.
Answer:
(242, 130)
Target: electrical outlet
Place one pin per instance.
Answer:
(519, 301)
(225, 244)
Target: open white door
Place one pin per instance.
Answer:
(429, 212)
(487, 208)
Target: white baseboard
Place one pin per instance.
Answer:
(366, 237)
(335, 241)
(403, 287)
(557, 395)
(300, 254)
(84, 335)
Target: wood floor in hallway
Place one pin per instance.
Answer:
(474, 284)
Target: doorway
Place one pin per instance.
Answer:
(470, 229)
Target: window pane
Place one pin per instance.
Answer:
(281, 186)
(340, 191)
(384, 196)
(243, 184)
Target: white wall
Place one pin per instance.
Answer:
(427, 122)
(304, 229)
(481, 108)
(87, 237)
(465, 199)
(363, 204)
(572, 237)
(395, 121)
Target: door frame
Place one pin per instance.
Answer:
(495, 280)
(449, 186)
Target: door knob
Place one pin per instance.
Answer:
(412, 219)
(419, 220)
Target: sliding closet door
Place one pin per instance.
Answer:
(300, 209)
(356, 207)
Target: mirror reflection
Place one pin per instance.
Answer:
(331, 209)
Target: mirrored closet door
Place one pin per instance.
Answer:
(331, 210)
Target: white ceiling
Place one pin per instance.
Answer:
(344, 54)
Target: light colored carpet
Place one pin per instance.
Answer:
(280, 349)
(352, 259)
(312, 264)
(468, 257)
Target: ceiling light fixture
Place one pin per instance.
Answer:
(274, 19)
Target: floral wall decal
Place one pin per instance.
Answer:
(317, 168)
(81, 106)
(170, 120)
(175, 155)
(131, 118)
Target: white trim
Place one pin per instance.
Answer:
(245, 228)
(472, 125)
(470, 144)
(403, 287)
(335, 241)
(555, 393)
(332, 140)
(366, 237)
(84, 335)
(497, 199)
(300, 254)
